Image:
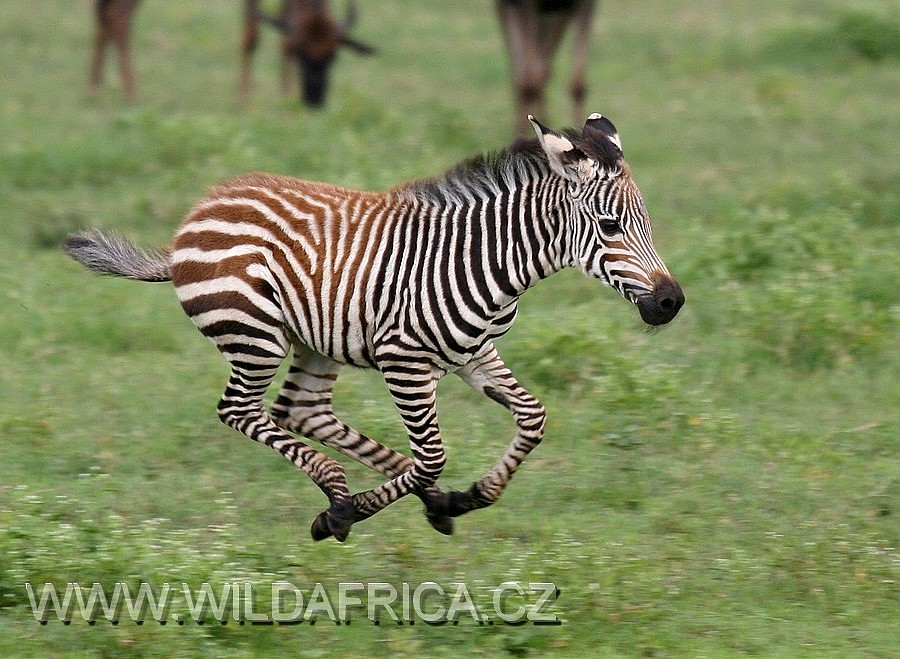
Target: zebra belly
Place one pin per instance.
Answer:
(421, 337)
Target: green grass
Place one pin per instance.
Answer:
(727, 486)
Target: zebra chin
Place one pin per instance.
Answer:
(663, 303)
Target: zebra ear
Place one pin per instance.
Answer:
(600, 140)
(565, 158)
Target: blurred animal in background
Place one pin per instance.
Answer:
(532, 30)
(113, 19)
(311, 39)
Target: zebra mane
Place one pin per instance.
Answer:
(522, 161)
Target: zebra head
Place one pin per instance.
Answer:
(609, 226)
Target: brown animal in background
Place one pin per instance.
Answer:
(114, 26)
(532, 30)
(311, 39)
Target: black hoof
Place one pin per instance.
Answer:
(319, 528)
(340, 528)
(440, 523)
(436, 504)
(335, 521)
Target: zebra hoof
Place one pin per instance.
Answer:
(440, 523)
(327, 523)
(319, 528)
(436, 505)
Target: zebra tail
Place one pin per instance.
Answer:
(110, 254)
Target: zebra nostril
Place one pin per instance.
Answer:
(671, 298)
(662, 306)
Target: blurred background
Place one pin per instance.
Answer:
(728, 485)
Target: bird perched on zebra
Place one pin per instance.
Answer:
(416, 282)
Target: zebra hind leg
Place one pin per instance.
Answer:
(304, 406)
(241, 408)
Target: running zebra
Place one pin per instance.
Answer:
(416, 282)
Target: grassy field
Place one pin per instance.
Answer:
(727, 486)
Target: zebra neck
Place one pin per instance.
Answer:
(500, 241)
(502, 216)
(532, 245)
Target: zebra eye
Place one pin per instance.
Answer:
(609, 225)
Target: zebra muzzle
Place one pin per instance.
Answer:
(663, 303)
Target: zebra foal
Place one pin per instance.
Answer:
(416, 282)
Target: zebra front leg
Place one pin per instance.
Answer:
(488, 374)
(241, 408)
(304, 406)
(412, 387)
